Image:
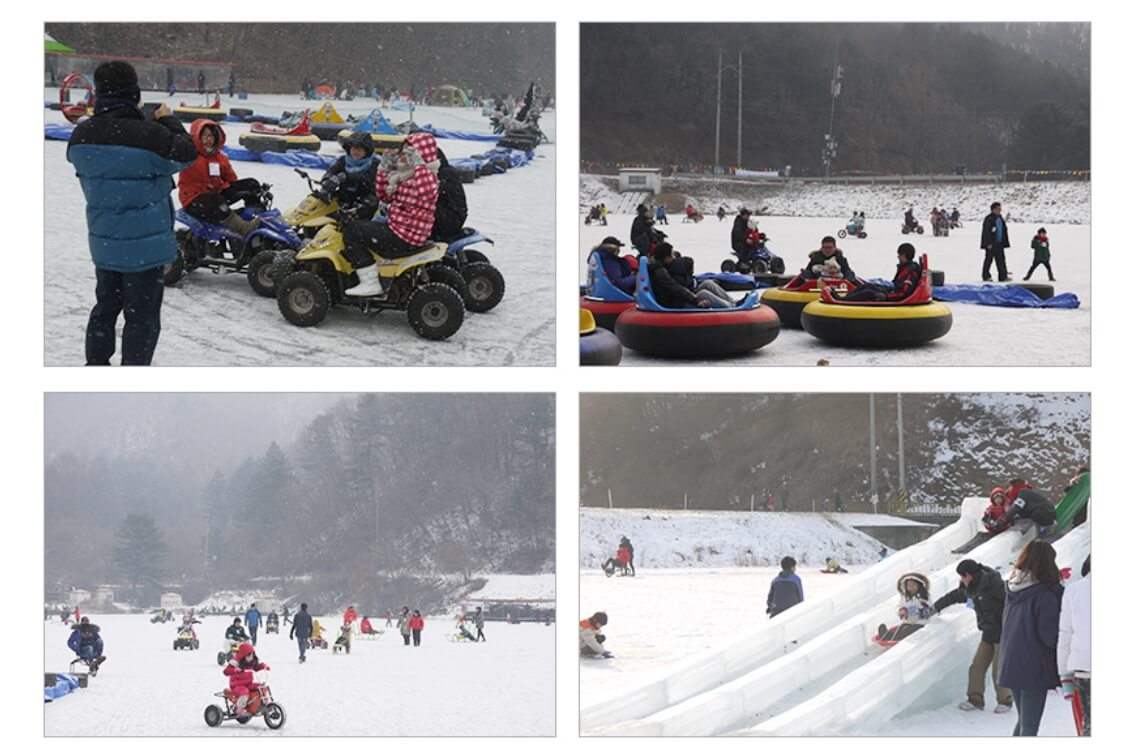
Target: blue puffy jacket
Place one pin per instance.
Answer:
(253, 618)
(125, 164)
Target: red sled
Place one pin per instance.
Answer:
(1079, 717)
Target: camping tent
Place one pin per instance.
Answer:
(54, 46)
(450, 96)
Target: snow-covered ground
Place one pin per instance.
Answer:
(981, 335)
(217, 320)
(705, 659)
(517, 586)
(381, 689)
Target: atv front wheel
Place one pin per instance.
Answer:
(777, 265)
(434, 310)
(728, 266)
(260, 274)
(303, 299)
(485, 286)
(213, 716)
(757, 267)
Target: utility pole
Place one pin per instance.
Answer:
(901, 461)
(718, 105)
(829, 142)
(609, 491)
(739, 163)
(874, 493)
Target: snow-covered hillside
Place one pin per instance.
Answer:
(1026, 202)
(687, 539)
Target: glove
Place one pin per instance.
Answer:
(1068, 687)
(265, 667)
(969, 603)
(607, 655)
(902, 612)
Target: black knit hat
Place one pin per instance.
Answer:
(115, 78)
(968, 566)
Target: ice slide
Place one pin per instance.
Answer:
(804, 649)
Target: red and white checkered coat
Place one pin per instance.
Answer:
(410, 211)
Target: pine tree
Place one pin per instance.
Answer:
(140, 552)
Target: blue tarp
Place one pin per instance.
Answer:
(438, 132)
(232, 118)
(58, 131)
(263, 118)
(401, 105)
(305, 159)
(238, 153)
(64, 684)
(995, 295)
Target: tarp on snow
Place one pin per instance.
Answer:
(995, 295)
(307, 159)
(439, 132)
(238, 153)
(58, 131)
(64, 684)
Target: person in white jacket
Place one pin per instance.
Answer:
(1074, 644)
(591, 642)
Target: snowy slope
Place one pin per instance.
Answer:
(382, 688)
(1027, 202)
(217, 320)
(677, 539)
(841, 682)
(978, 333)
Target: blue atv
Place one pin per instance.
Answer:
(212, 246)
(758, 261)
(484, 283)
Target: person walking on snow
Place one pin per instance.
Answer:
(478, 621)
(303, 629)
(993, 240)
(984, 587)
(786, 589)
(253, 621)
(1041, 245)
(416, 625)
(404, 626)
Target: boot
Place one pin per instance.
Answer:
(240, 706)
(243, 228)
(369, 284)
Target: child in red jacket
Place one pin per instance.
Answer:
(241, 673)
(998, 504)
(210, 185)
(416, 625)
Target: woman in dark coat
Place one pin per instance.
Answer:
(1030, 633)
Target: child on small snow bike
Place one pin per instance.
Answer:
(913, 611)
(241, 674)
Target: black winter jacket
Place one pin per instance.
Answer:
(988, 232)
(667, 290)
(452, 208)
(302, 625)
(353, 190)
(988, 595)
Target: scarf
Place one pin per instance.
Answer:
(357, 165)
(1020, 579)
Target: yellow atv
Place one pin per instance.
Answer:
(430, 292)
(312, 213)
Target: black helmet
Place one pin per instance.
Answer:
(361, 140)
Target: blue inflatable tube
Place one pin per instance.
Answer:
(64, 684)
(1010, 296)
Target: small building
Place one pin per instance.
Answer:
(268, 603)
(77, 597)
(104, 595)
(171, 600)
(638, 180)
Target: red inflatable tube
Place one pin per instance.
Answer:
(727, 332)
(606, 312)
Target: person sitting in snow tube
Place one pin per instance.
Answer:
(619, 273)
(351, 180)
(913, 611)
(828, 261)
(908, 275)
(210, 185)
(674, 287)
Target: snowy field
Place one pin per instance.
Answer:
(710, 662)
(217, 320)
(981, 335)
(382, 688)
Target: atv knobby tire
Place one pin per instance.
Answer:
(485, 286)
(303, 299)
(434, 310)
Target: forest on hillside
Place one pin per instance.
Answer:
(913, 97)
